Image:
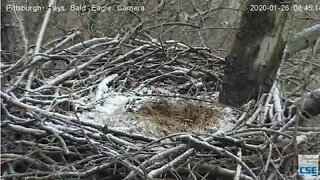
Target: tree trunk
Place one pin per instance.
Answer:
(12, 42)
(256, 53)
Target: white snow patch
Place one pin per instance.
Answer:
(301, 139)
(111, 110)
(103, 87)
(226, 122)
(116, 110)
(113, 105)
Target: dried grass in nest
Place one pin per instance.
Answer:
(179, 116)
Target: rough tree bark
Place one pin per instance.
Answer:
(13, 40)
(255, 55)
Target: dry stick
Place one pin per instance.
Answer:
(60, 139)
(245, 108)
(177, 96)
(77, 47)
(231, 140)
(87, 159)
(128, 54)
(107, 164)
(239, 124)
(63, 42)
(42, 146)
(91, 44)
(277, 104)
(36, 109)
(22, 129)
(266, 104)
(266, 167)
(39, 40)
(157, 157)
(39, 57)
(86, 51)
(295, 132)
(316, 47)
(129, 135)
(218, 171)
(17, 82)
(9, 170)
(271, 131)
(238, 172)
(180, 159)
(120, 141)
(172, 24)
(71, 72)
(303, 39)
(34, 162)
(60, 44)
(52, 42)
(306, 129)
(40, 174)
(276, 83)
(95, 148)
(202, 144)
(9, 115)
(157, 78)
(68, 136)
(48, 159)
(276, 168)
(96, 169)
(255, 115)
(191, 173)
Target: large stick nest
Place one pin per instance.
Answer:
(42, 135)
